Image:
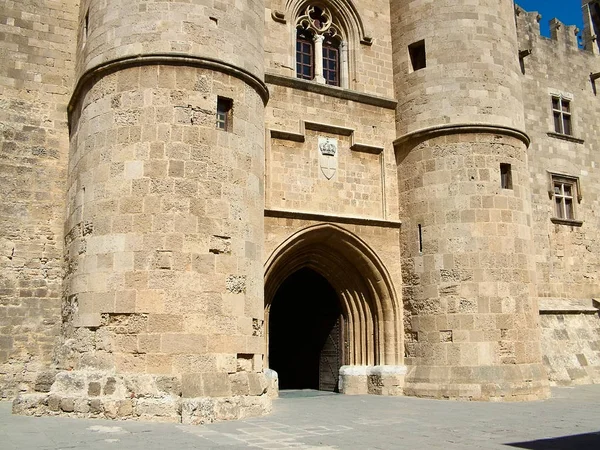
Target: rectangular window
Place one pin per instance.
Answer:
(565, 191)
(331, 61)
(331, 65)
(224, 113)
(304, 57)
(506, 176)
(417, 54)
(561, 111)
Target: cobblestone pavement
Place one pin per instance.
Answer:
(309, 419)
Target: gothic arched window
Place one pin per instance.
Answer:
(318, 45)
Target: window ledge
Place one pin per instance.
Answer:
(333, 91)
(573, 223)
(565, 137)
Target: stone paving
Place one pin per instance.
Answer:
(318, 420)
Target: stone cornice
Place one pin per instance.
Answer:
(331, 91)
(550, 305)
(301, 215)
(565, 137)
(172, 59)
(465, 128)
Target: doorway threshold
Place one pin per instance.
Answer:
(304, 393)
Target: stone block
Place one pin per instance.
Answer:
(44, 381)
(82, 406)
(239, 383)
(198, 411)
(96, 406)
(110, 386)
(94, 389)
(218, 385)
(54, 402)
(124, 408)
(227, 409)
(67, 405)
(168, 385)
(192, 385)
(164, 409)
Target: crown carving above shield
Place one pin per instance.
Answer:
(328, 148)
(328, 156)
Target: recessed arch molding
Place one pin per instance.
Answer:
(371, 311)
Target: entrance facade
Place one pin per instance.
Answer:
(330, 309)
(305, 336)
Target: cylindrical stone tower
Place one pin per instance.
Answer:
(163, 308)
(471, 325)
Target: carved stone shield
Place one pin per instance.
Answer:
(328, 156)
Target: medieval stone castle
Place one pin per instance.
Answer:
(206, 200)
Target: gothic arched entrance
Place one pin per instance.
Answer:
(305, 341)
(328, 302)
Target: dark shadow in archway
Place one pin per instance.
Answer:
(304, 333)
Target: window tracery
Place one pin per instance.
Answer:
(319, 46)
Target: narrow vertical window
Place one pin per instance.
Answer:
(420, 238)
(86, 27)
(331, 62)
(417, 55)
(304, 55)
(561, 112)
(224, 113)
(506, 176)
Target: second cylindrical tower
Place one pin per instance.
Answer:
(471, 327)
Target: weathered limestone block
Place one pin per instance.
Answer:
(377, 380)
(207, 410)
(44, 381)
(272, 383)
(158, 398)
(353, 380)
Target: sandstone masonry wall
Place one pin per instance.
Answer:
(566, 253)
(364, 184)
(566, 256)
(37, 44)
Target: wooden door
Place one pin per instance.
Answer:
(330, 359)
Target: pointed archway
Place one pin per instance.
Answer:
(370, 314)
(305, 340)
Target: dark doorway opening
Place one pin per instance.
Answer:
(305, 333)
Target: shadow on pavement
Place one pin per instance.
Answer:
(574, 442)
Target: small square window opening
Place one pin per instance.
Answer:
(418, 58)
(506, 176)
(561, 111)
(224, 113)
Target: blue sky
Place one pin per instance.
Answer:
(567, 11)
